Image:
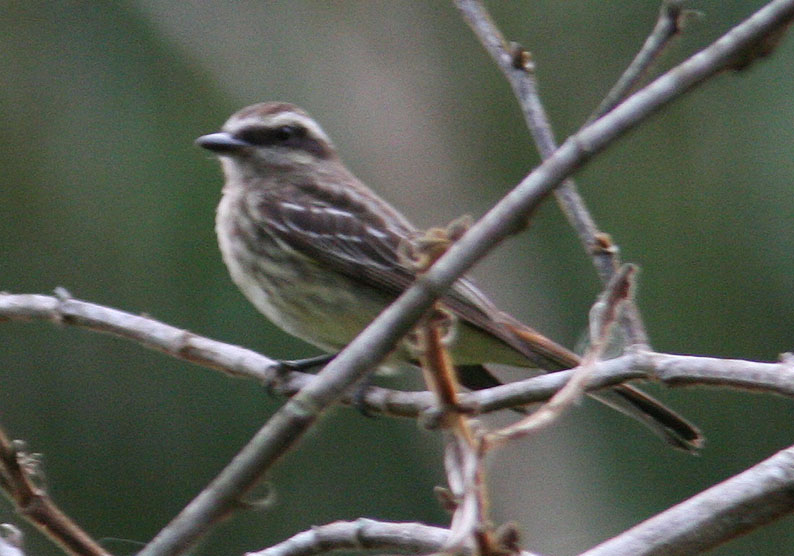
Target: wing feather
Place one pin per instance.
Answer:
(338, 229)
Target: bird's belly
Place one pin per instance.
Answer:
(319, 306)
(324, 310)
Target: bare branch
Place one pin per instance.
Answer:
(596, 136)
(21, 482)
(146, 331)
(602, 317)
(366, 534)
(668, 25)
(514, 62)
(744, 502)
(670, 369)
(362, 534)
(673, 370)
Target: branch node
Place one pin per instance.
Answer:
(431, 418)
(263, 502)
(506, 539)
(62, 293)
(183, 344)
(449, 502)
(30, 463)
(63, 296)
(362, 524)
(423, 248)
(521, 58)
(603, 245)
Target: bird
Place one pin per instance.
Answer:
(319, 254)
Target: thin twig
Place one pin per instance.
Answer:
(603, 316)
(438, 369)
(515, 65)
(463, 456)
(668, 26)
(463, 462)
(20, 480)
(514, 62)
(734, 507)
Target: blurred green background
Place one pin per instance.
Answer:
(102, 192)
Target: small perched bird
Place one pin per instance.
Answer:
(318, 253)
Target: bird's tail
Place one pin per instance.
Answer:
(661, 420)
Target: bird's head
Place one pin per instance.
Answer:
(269, 137)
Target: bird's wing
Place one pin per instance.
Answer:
(337, 229)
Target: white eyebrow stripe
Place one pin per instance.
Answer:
(276, 120)
(291, 118)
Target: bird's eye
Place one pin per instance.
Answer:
(287, 132)
(265, 136)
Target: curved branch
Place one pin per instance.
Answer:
(744, 502)
(672, 370)
(362, 534)
(21, 482)
(366, 534)
(753, 498)
(150, 333)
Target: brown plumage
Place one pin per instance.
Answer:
(317, 252)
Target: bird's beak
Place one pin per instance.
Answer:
(221, 143)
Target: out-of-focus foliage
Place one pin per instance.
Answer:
(102, 192)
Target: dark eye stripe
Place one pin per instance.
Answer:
(266, 136)
(288, 136)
